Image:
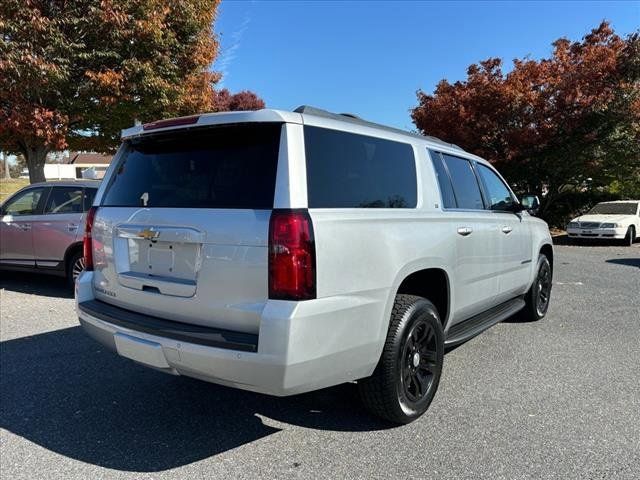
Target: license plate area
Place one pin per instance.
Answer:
(163, 260)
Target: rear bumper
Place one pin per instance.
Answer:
(301, 346)
(134, 321)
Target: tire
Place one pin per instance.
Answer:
(539, 295)
(75, 266)
(408, 373)
(630, 236)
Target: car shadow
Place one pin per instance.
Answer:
(35, 284)
(564, 239)
(630, 262)
(63, 391)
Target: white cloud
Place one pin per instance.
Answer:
(229, 53)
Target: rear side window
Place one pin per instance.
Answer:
(64, 200)
(446, 189)
(346, 170)
(465, 183)
(89, 195)
(217, 167)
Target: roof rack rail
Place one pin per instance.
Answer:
(349, 117)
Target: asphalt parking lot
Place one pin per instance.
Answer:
(559, 398)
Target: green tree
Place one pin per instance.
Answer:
(73, 74)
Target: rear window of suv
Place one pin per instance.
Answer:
(346, 170)
(209, 167)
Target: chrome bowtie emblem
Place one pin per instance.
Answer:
(148, 234)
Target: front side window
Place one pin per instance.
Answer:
(500, 197)
(347, 170)
(465, 183)
(64, 200)
(25, 203)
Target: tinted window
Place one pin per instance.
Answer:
(64, 200)
(465, 183)
(446, 189)
(345, 170)
(499, 195)
(218, 167)
(89, 195)
(25, 203)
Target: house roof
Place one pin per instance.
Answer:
(79, 158)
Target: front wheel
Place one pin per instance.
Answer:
(408, 373)
(538, 297)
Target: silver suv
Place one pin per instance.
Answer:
(283, 252)
(42, 227)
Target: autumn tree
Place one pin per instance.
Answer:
(74, 73)
(555, 125)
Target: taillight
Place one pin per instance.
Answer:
(292, 256)
(87, 250)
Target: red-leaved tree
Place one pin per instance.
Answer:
(553, 125)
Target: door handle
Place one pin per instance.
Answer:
(25, 226)
(72, 227)
(506, 229)
(464, 231)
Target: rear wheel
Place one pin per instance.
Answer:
(538, 297)
(407, 376)
(75, 266)
(630, 237)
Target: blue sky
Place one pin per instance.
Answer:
(369, 58)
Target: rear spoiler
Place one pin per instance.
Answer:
(221, 118)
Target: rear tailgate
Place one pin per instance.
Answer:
(181, 232)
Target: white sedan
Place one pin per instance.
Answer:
(608, 220)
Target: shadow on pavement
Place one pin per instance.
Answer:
(630, 262)
(35, 284)
(66, 393)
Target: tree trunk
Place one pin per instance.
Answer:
(5, 166)
(36, 158)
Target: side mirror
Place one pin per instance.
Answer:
(531, 203)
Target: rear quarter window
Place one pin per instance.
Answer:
(444, 181)
(215, 167)
(347, 170)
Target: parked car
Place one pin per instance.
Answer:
(618, 220)
(42, 227)
(283, 252)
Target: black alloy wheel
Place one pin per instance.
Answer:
(419, 361)
(539, 295)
